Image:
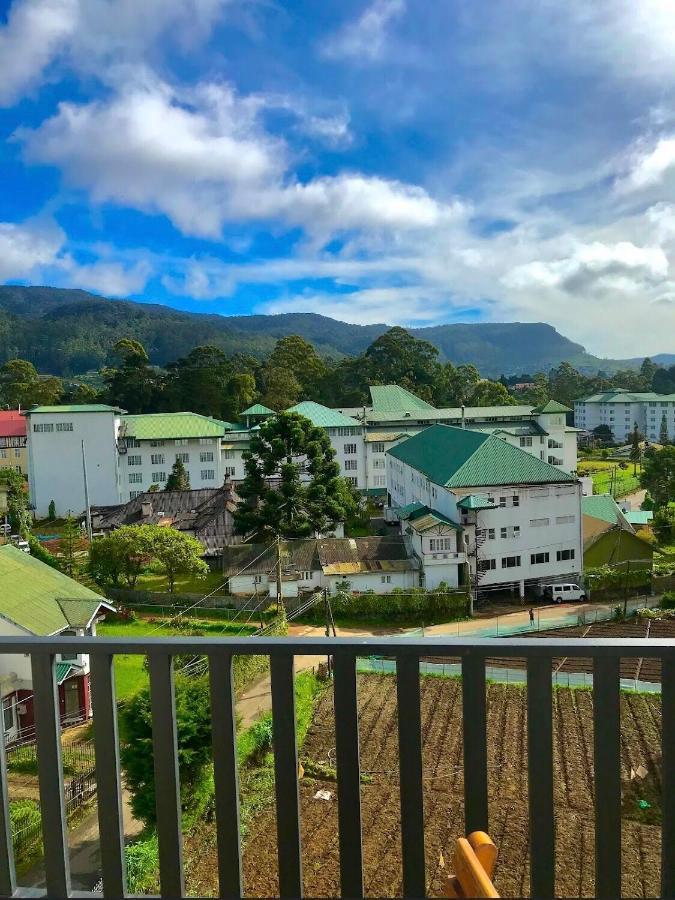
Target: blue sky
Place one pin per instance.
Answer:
(393, 161)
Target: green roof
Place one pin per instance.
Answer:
(423, 519)
(603, 507)
(552, 407)
(63, 670)
(40, 599)
(458, 457)
(165, 426)
(500, 414)
(75, 408)
(639, 516)
(323, 416)
(258, 410)
(404, 512)
(475, 501)
(620, 395)
(394, 399)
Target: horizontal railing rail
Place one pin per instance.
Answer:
(406, 652)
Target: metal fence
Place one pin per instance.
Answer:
(406, 652)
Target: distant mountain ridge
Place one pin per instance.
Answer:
(68, 332)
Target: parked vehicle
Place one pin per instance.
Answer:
(567, 592)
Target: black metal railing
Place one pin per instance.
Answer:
(406, 651)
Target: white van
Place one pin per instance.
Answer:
(565, 593)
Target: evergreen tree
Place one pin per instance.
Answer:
(658, 475)
(69, 544)
(51, 512)
(17, 501)
(635, 450)
(178, 480)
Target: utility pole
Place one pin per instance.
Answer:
(278, 569)
(625, 590)
(86, 494)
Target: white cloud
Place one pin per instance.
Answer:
(27, 248)
(94, 36)
(113, 279)
(202, 158)
(365, 39)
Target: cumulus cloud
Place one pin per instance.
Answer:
(113, 279)
(201, 157)
(365, 39)
(27, 248)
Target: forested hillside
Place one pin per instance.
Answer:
(68, 332)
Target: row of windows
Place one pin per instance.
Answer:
(351, 465)
(514, 562)
(177, 442)
(158, 459)
(436, 544)
(159, 477)
(49, 426)
(4, 454)
(349, 449)
(12, 441)
(377, 447)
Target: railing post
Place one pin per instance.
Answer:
(540, 776)
(286, 776)
(348, 775)
(410, 762)
(474, 712)
(50, 771)
(106, 741)
(607, 775)
(7, 868)
(668, 777)
(167, 786)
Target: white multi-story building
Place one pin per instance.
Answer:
(621, 410)
(520, 516)
(125, 455)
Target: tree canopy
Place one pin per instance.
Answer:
(658, 475)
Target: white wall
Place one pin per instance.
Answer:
(379, 582)
(56, 460)
(165, 453)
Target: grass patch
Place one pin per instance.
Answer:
(185, 584)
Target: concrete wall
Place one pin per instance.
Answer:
(138, 462)
(379, 582)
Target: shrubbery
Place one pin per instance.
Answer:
(410, 604)
(668, 600)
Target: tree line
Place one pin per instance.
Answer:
(210, 382)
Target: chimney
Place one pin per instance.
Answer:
(146, 509)
(463, 416)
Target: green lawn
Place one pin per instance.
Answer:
(601, 470)
(185, 584)
(130, 673)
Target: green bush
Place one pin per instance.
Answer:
(39, 552)
(23, 814)
(668, 600)
(411, 604)
(142, 860)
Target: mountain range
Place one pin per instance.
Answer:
(69, 332)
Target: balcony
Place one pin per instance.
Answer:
(406, 653)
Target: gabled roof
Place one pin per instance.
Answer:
(40, 599)
(605, 508)
(168, 426)
(74, 408)
(475, 501)
(257, 410)
(259, 559)
(12, 423)
(394, 399)
(424, 519)
(351, 556)
(323, 416)
(639, 516)
(552, 407)
(458, 457)
(404, 512)
(620, 395)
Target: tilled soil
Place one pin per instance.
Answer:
(443, 800)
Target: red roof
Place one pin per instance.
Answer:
(12, 423)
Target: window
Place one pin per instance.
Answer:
(181, 442)
(43, 426)
(228, 454)
(350, 449)
(134, 460)
(564, 554)
(436, 544)
(379, 481)
(157, 459)
(538, 558)
(158, 477)
(64, 426)
(205, 456)
(510, 562)
(17, 469)
(351, 465)
(378, 464)
(565, 520)
(133, 494)
(205, 442)
(208, 474)
(353, 480)
(385, 579)
(377, 447)
(257, 579)
(156, 443)
(526, 442)
(8, 713)
(346, 432)
(486, 565)
(229, 471)
(502, 502)
(183, 457)
(305, 576)
(17, 453)
(3, 454)
(515, 500)
(135, 477)
(510, 531)
(539, 492)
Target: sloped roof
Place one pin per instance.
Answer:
(323, 416)
(351, 556)
(168, 426)
(425, 518)
(620, 395)
(458, 457)
(258, 410)
(639, 516)
(603, 507)
(501, 414)
(74, 408)
(395, 399)
(260, 559)
(475, 501)
(12, 423)
(42, 600)
(552, 407)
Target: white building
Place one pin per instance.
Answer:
(56, 435)
(520, 515)
(621, 410)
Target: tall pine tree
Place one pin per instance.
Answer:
(178, 480)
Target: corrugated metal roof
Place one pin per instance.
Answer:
(639, 516)
(12, 423)
(551, 407)
(75, 408)
(258, 410)
(619, 395)
(393, 398)
(167, 426)
(431, 519)
(323, 416)
(603, 507)
(459, 457)
(40, 599)
(475, 501)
